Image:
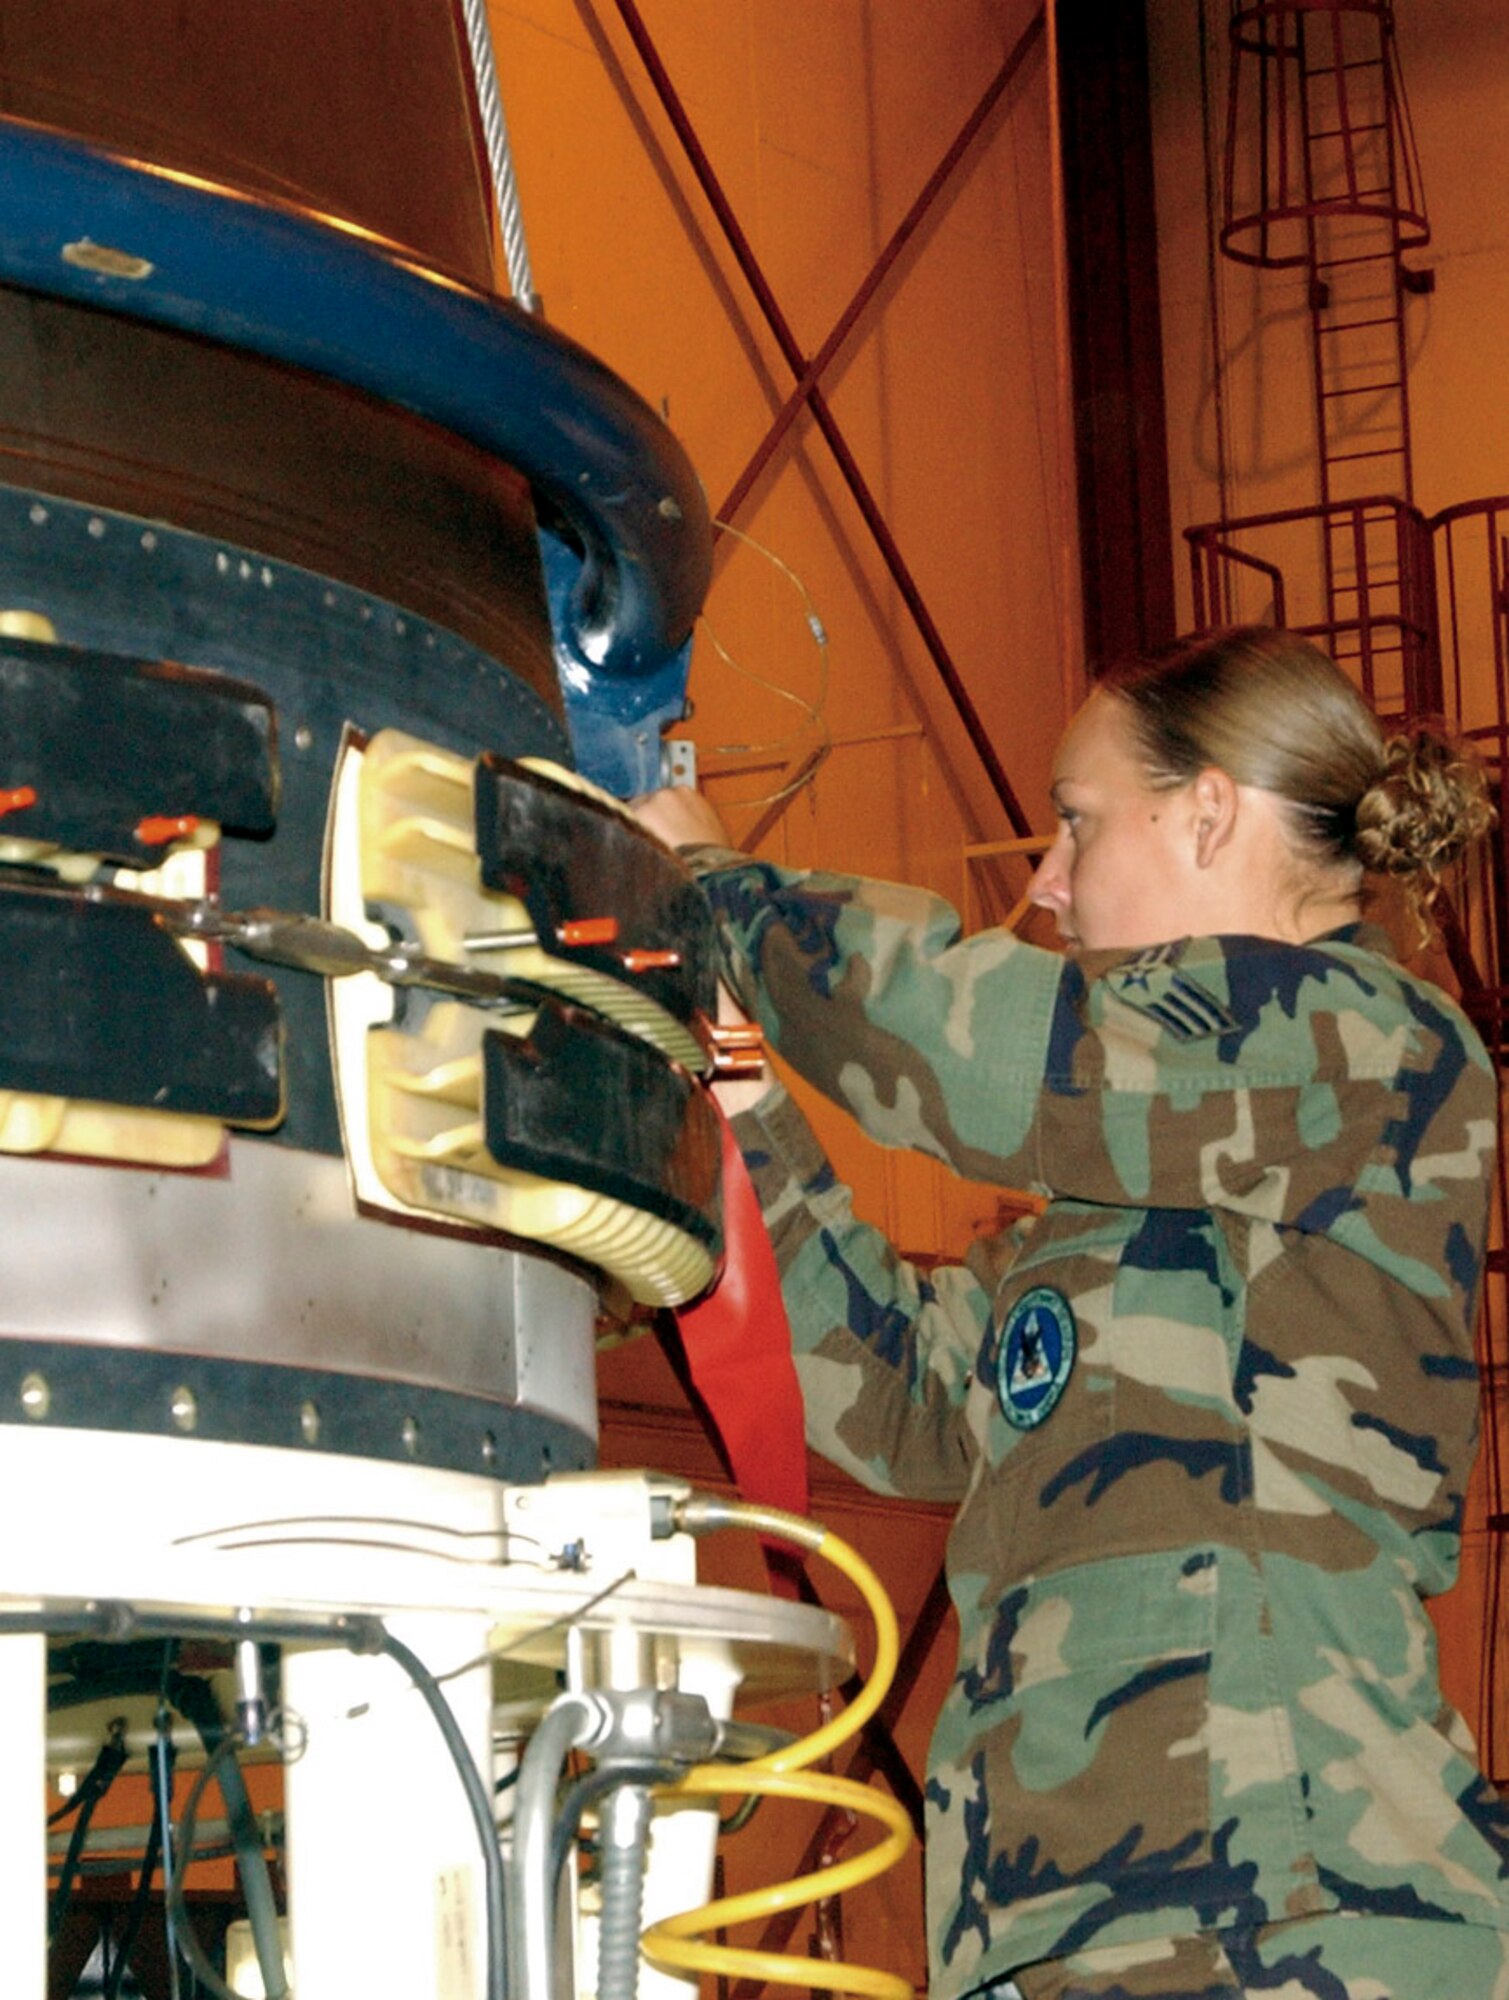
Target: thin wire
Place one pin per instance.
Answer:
(811, 711)
(372, 1542)
(815, 708)
(566, 1619)
(256, 1536)
(815, 626)
(353, 1520)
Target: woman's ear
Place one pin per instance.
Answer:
(1215, 802)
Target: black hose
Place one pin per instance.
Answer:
(101, 1776)
(196, 1700)
(139, 1904)
(192, 1951)
(476, 1797)
(97, 1670)
(116, 1622)
(579, 1795)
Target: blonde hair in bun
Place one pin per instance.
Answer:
(1273, 711)
(1429, 805)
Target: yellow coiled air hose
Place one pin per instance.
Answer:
(676, 1943)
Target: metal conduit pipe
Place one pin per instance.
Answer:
(573, 1722)
(623, 1840)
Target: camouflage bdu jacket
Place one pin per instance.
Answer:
(1209, 1434)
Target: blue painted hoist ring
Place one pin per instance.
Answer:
(81, 223)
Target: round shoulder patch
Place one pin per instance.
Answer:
(1038, 1346)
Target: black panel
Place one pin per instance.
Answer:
(578, 1101)
(98, 1002)
(324, 654)
(157, 424)
(138, 1390)
(107, 743)
(569, 858)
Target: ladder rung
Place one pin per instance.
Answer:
(1356, 325)
(1345, 131)
(1365, 389)
(1335, 69)
(1383, 451)
(1362, 257)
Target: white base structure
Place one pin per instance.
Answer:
(505, 1594)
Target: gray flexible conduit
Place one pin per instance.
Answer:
(621, 1846)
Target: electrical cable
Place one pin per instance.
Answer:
(740, 1817)
(477, 1798)
(196, 1700)
(114, 1621)
(101, 1776)
(161, 1758)
(676, 1944)
(184, 1934)
(584, 1790)
(572, 1720)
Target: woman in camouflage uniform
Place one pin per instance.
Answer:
(1210, 1433)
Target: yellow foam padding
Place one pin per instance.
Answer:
(58, 861)
(558, 774)
(33, 1124)
(131, 1134)
(418, 851)
(69, 866)
(424, 1102)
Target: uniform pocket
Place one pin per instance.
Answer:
(1079, 1725)
(1401, 1818)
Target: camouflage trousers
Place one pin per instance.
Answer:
(1318, 1958)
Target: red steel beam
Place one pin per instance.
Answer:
(814, 398)
(880, 270)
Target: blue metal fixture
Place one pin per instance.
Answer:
(628, 552)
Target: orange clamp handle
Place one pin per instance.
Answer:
(648, 961)
(157, 829)
(588, 930)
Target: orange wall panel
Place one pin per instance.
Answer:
(822, 125)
